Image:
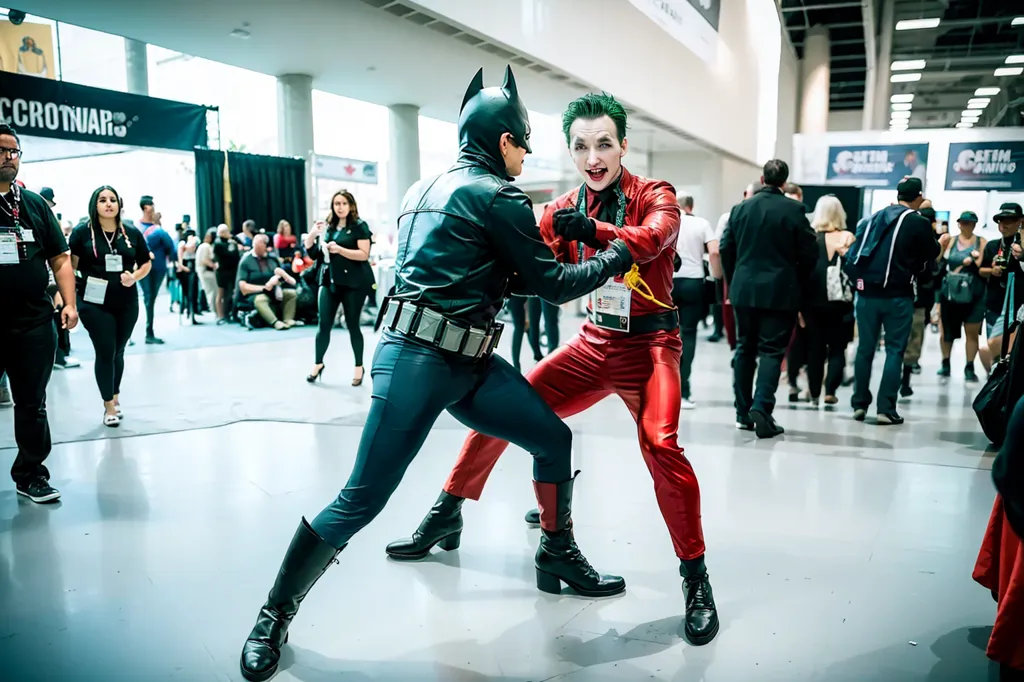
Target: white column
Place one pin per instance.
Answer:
(883, 88)
(136, 66)
(815, 73)
(404, 164)
(295, 129)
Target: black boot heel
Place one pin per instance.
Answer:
(548, 583)
(451, 542)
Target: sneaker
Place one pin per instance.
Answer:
(153, 341)
(5, 397)
(765, 425)
(71, 363)
(906, 391)
(859, 414)
(744, 423)
(889, 418)
(943, 371)
(831, 400)
(688, 404)
(970, 376)
(915, 368)
(38, 490)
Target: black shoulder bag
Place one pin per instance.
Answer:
(993, 402)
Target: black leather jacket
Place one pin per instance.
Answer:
(463, 235)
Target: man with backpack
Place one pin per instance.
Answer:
(892, 249)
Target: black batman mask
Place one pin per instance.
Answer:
(488, 113)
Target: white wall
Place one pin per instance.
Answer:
(789, 99)
(811, 161)
(715, 182)
(617, 48)
(845, 120)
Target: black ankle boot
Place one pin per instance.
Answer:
(533, 518)
(701, 614)
(905, 390)
(558, 558)
(441, 526)
(307, 558)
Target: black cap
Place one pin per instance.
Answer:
(968, 217)
(1009, 210)
(487, 114)
(928, 213)
(146, 200)
(909, 188)
(47, 194)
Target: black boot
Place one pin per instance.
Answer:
(701, 614)
(558, 558)
(307, 558)
(533, 518)
(905, 390)
(441, 526)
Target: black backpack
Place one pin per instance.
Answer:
(869, 262)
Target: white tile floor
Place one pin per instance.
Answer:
(830, 550)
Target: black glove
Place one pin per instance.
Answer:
(573, 226)
(616, 257)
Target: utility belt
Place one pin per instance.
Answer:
(436, 330)
(646, 324)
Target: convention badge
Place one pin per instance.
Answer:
(95, 290)
(114, 262)
(611, 304)
(27, 235)
(8, 249)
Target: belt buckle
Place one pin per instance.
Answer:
(430, 326)
(474, 342)
(452, 337)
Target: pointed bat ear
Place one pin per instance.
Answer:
(509, 85)
(475, 86)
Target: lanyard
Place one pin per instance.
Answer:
(581, 206)
(110, 242)
(15, 211)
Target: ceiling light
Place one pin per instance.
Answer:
(908, 77)
(902, 98)
(1019, 21)
(899, 114)
(963, 124)
(899, 125)
(902, 107)
(1015, 59)
(976, 105)
(979, 100)
(1009, 71)
(970, 113)
(240, 33)
(909, 65)
(913, 24)
(985, 92)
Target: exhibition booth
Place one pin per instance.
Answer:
(962, 169)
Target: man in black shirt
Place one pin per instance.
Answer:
(995, 262)
(29, 239)
(262, 279)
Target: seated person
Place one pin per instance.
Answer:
(263, 281)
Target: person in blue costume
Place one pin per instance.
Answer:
(466, 239)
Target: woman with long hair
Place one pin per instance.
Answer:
(285, 242)
(829, 315)
(341, 247)
(206, 268)
(111, 258)
(962, 304)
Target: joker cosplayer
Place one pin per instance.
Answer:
(629, 346)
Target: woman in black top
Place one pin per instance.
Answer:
(342, 251)
(110, 258)
(226, 254)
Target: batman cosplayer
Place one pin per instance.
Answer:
(465, 238)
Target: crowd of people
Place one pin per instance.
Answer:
(469, 244)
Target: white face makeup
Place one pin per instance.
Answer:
(595, 149)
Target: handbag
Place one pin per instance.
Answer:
(993, 402)
(837, 283)
(959, 287)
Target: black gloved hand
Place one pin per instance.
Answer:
(617, 256)
(573, 226)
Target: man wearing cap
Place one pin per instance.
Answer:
(162, 251)
(924, 301)
(891, 250)
(996, 265)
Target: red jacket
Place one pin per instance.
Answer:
(651, 230)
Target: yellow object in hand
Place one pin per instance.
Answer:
(634, 281)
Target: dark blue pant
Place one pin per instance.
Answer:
(150, 289)
(27, 358)
(412, 385)
(761, 340)
(895, 316)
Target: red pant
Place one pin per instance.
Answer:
(644, 371)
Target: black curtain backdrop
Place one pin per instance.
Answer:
(209, 189)
(267, 189)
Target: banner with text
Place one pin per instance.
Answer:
(694, 23)
(338, 168)
(46, 108)
(986, 166)
(876, 166)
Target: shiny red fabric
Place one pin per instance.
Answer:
(643, 370)
(651, 231)
(1000, 568)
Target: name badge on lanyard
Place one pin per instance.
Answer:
(114, 262)
(612, 301)
(8, 249)
(95, 290)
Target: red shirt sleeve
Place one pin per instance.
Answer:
(559, 246)
(658, 231)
